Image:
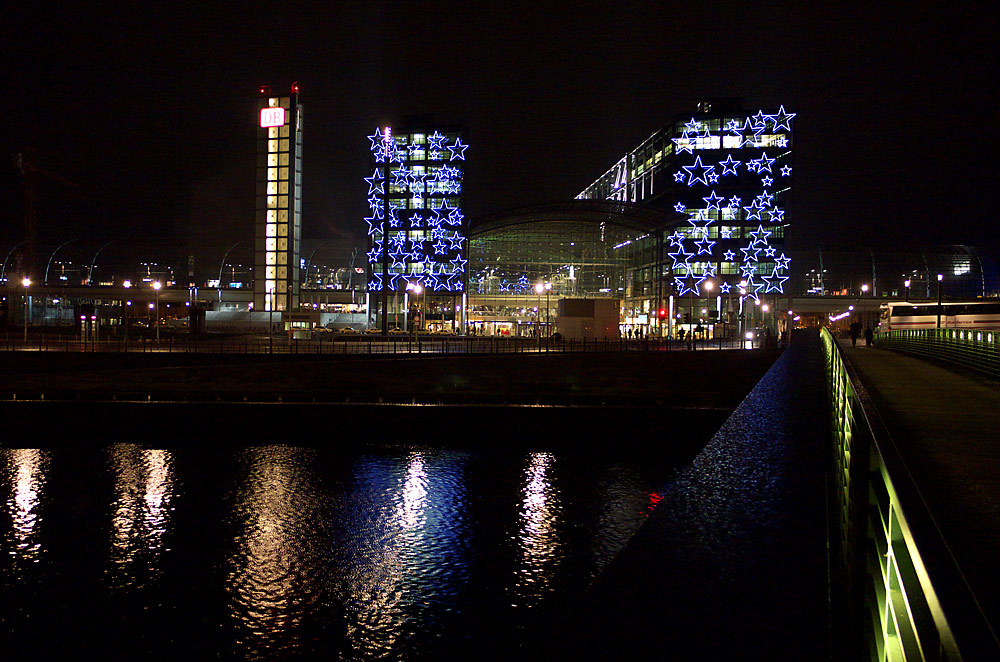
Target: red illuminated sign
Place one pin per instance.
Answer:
(272, 117)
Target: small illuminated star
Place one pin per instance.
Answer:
(781, 141)
(782, 262)
(456, 242)
(376, 139)
(769, 251)
(678, 176)
(766, 182)
(436, 141)
(713, 200)
(735, 202)
(713, 177)
(725, 287)
(375, 183)
(786, 170)
(413, 148)
(680, 256)
(734, 126)
(683, 144)
(676, 239)
(704, 246)
(680, 208)
(729, 166)
(729, 256)
(725, 232)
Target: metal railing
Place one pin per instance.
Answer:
(407, 345)
(975, 349)
(886, 591)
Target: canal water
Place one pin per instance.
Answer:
(264, 552)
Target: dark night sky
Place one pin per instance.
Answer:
(152, 111)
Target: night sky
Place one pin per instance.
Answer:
(152, 111)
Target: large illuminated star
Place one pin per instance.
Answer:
(754, 210)
(373, 255)
(760, 236)
(764, 163)
(456, 242)
(775, 282)
(750, 253)
(457, 150)
(683, 145)
(680, 257)
(729, 166)
(690, 282)
(700, 177)
(460, 263)
(373, 185)
(376, 139)
(373, 225)
(783, 120)
(413, 148)
(766, 199)
(398, 259)
(704, 245)
(400, 176)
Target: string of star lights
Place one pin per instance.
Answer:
(416, 227)
(746, 161)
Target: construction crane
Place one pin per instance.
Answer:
(26, 163)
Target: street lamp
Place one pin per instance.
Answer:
(539, 288)
(156, 288)
(27, 306)
(417, 290)
(864, 313)
(940, 278)
(709, 285)
(906, 284)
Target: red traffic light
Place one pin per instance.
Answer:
(663, 312)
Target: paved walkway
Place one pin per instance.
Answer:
(946, 425)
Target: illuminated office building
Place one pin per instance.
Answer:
(416, 226)
(278, 226)
(725, 174)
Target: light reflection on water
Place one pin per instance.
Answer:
(394, 553)
(144, 492)
(537, 537)
(25, 473)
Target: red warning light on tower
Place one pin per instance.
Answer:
(265, 90)
(295, 87)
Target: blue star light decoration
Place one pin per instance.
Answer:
(408, 189)
(745, 145)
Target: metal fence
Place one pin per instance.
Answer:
(977, 350)
(905, 607)
(360, 345)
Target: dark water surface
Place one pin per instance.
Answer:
(281, 551)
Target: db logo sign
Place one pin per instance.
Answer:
(272, 117)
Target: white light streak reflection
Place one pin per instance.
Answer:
(144, 489)
(275, 570)
(25, 472)
(538, 536)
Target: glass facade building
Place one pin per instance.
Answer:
(725, 175)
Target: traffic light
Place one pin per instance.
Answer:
(663, 313)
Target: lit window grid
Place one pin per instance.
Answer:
(281, 202)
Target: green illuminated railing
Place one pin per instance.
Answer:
(879, 517)
(975, 349)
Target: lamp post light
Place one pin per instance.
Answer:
(906, 284)
(548, 308)
(709, 286)
(156, 288)
(539, 288)
(27, 306)
(940, 278)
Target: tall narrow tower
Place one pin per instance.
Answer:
(278, 227)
